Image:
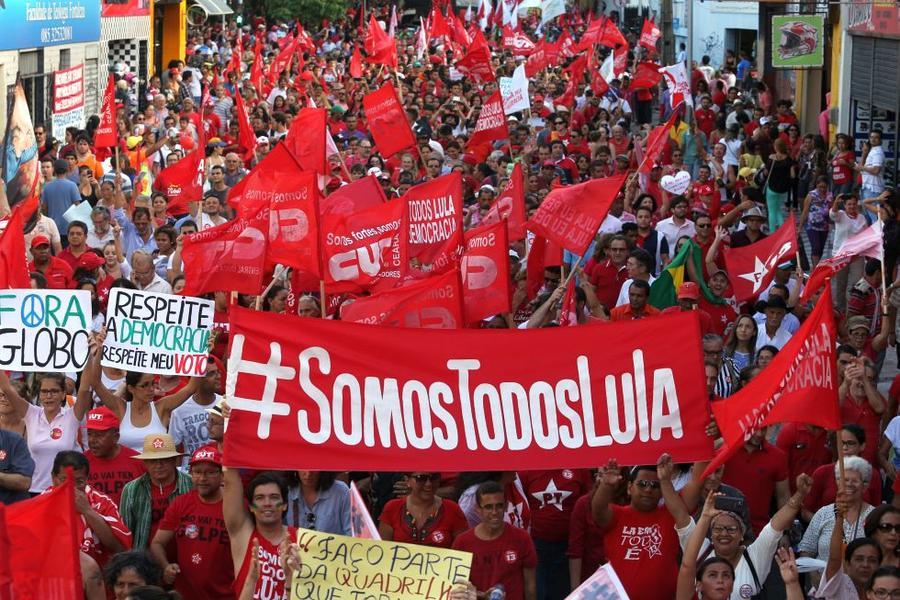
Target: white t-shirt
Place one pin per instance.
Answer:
(187, 425)
(845, 227)
(46, 439)
(875, 158)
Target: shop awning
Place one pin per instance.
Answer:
(214, 8)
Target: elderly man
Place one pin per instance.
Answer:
(144, 274)
(234, 170)
(101, 232)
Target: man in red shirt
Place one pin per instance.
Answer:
(705, 116)
(639, 540)
(194, 522)
(723, 314)
(102, 531)
(637, 307)
(502, 554)
(759, 470)
(57, 272)
(609, 275)
(112, 464)
(688, 297)
(806, 448)
(551, 497)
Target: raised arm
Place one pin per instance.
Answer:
(110, 400)
(84, 399)
(19, 403)
(673, 501)
(784, 518)
(237, 521)
(687, 574)
(167, 404)
(610, 477)
(836, 546)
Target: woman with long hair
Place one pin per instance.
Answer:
(842, 162)
(814, 218)
(883, 526)
(779, 181)
(740, 346)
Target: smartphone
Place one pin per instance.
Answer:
(730, 504)
(456, 99)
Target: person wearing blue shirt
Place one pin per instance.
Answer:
(59, 195)
(16, 467)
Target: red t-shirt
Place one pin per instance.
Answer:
(839, 173)
(202, 548)
(58, 274)
(806, 451)
(501, 560)
(270, 585)
(159, 502)
(585, 538)
(755, 475)
(721, 314)
(551, 496)
(862, 414)
(608, 280)
(109, 512)
(706, 120)
(109, 475)
(440, 530)
(643, 549)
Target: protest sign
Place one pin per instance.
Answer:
(68, 100)
(332, 395)
(337, 566)
(157, 333)
(79, 212)
(604, 584)
(44, 330)
(361, 523)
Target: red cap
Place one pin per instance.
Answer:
(689, 291)
(89, 260)
(208, 454)
(538, 98)
(39, 240)
(102, 419)
(548, 163)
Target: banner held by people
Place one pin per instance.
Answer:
(335, 395)
(157, 333)
(44, 330)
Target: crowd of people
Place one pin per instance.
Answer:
(158, 509)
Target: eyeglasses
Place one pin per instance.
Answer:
(882, 593)
(849, 443)
(730, 529)
(559, 123)
(50, 392)
(886, 527)
(647, 484)
(423, 478)
(703, 226)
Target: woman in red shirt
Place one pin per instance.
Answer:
(862, 403)
(422, 517)
(842, 162)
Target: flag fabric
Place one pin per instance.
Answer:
(228, 257)
(538, 60)
(867, 242)
(656, 143)
(620, 60)
(13, 267)
(752, 267)
(182, 182)
(477, 60)
(392, 26)
(490, 127)
(44, 533)
(435, 211)
(800, 385)
(256, 68)
(432, 303)
(363, 193)
(356, 68)
(516, 42)
(484, 13)
(106, 136)
(365, 250)
(439, 25)
(485, 272)
(679, 84)
(550, 9)
(510, 206)
(246, 136)
(305, 140)
(380, 47)
(361, 523)
(650, 34)
(568, 316)
(571, 215)
(664, 289)
(387, 121)
(283, 60)
(646, 75)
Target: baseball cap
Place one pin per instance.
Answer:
(857, 322)
(89, 261)
(102, 419)
(721, 272)
(158, 446)
(689, 291)
(488, 188)
(207, 454)
(262, 140)
(40, 240)
(133, 140)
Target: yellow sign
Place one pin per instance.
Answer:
(337, 567)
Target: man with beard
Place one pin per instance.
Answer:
(195, 527)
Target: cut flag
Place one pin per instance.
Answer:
(687, 265)
(13, 267)
(485, 272)
(571, 215)
(361, 523)
(228, 257)
(305, 140)
(752, 267)
(800, 385)
(182, 182)
(867, 242)
(432, 303)
(490, 127)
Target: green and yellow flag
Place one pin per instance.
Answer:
(664, 290)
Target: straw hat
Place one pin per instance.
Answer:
(158, 446)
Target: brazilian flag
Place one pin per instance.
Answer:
(664, 290)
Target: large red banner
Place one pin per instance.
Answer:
(335, 396)
(435, 222)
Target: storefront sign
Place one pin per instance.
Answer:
(874, 18)
(798, 41)
(48, 23)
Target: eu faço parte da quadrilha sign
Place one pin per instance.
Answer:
(44, 330)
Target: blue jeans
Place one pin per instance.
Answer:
(552, 571)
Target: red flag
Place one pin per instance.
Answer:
(620, 60)
(510, 205)
(800, 385)
(439, 25)
(44, 533)
(567, 98)
(646, 75)
(183, 182)
(363, 193)
(256, 69)
(305, 140)
(435, 223)
(387, 121)
(610, 35)
(656, 142)
(477, 61)
(380, 47)
(106, 136)
(228, 257)
(867, 242)
(571, 216)
(538, 60)
(234, 65)
(565, 45)
(365, 250)
(13, 267)
(517, 42)
(542, 253)
(650, 34)
(568, 316)
(752, 267)
(433, 303)
(361, 523)
(485, 272)
(491, 126)
(356, 68)
(6, 575)
(246, 136)
(578, 67)
(283, 61)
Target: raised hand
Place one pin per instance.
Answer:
(610, 475)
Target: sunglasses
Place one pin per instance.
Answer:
(423, 478)
(886, 527)
(647, 484)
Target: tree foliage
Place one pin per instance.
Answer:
(310, 12)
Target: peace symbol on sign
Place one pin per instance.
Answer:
(32, 310)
